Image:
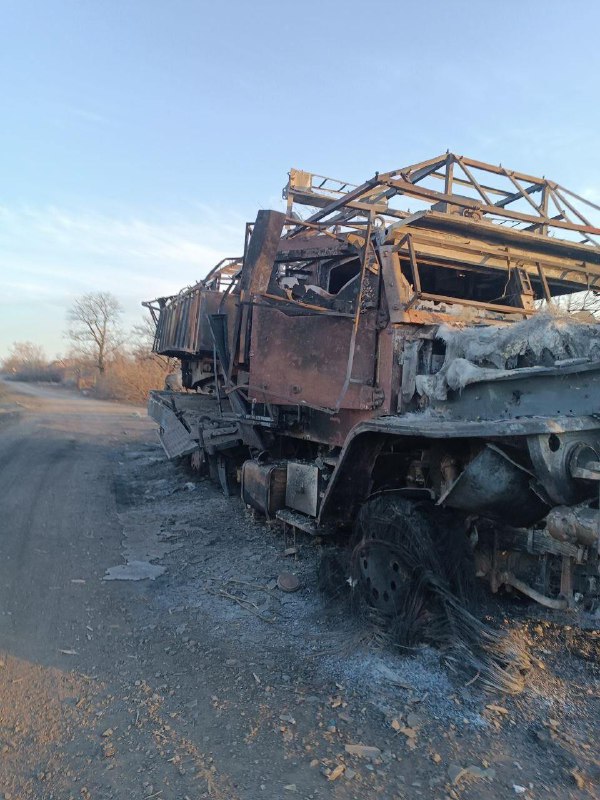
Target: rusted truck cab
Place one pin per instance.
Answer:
(368, 348)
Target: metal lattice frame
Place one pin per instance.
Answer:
(470, 188)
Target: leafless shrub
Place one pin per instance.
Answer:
(27, 362)
(130, 374)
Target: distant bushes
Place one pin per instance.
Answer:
(128, 378)
(127, 374)
(48, 373)
(27, 362)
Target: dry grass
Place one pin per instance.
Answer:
(128, 379)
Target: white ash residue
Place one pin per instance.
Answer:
(420, 680)
(477, 353)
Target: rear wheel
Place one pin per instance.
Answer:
(227, 474)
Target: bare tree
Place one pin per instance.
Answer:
(142, 342)
(94, 327)
(142, 336)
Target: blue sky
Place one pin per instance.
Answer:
(137, 136)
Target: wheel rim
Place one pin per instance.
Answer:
(381, 575)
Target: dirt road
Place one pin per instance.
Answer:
(145, 653)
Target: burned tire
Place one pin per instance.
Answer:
(411, 563)
(419, 556)
(385, 527)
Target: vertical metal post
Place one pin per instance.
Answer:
(566, 579)
(217, 390)
(544, 208)
(449, 174)
(598, 520)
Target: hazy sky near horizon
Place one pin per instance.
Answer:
(139, 135)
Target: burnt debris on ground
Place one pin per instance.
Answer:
(327, 687)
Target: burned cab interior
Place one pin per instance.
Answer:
(473, 232)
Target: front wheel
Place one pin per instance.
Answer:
(408, 557)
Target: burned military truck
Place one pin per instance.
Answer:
(407, 346)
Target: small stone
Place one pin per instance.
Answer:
(578, 778)
(108, 751)
(335, 773)
(288, 582)
(413, 720)
(362, 750)
(456, 773)
(497, 709)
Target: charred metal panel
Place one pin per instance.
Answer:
(536, 392)
(209, 304)
(263, 486)
(262, 249)
(175, 438)
(218, 329)
(302, 488)
(303, 359)
(350, 483)
(496, 487)
(388, 370)
(324, 426)
(316, 246)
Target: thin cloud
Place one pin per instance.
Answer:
(592, 194)
(48, 256)
(57, 244)
(90, 115)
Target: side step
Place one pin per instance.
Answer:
(300, 521)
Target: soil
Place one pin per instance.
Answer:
(147, 651)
